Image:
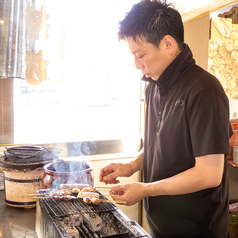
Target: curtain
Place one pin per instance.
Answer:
(23, 29)
(12, 38)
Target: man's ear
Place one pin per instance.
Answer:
(169, 43)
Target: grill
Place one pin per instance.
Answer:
(23, 169)
(75, 219)
(28, 154)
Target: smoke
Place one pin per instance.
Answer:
(82, 148)
(71, 172)
(88, 148)
(76, 171)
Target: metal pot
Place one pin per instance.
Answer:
(61, 172)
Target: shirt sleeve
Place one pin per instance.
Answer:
(209, 123)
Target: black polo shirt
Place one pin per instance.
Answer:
(187, 115)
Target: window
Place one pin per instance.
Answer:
(91, 89)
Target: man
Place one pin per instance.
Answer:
(187, 131)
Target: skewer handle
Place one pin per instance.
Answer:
(40, 197)
(103, 189)
(38, 194)
(116, 201)
(109, 188)
(108, 195)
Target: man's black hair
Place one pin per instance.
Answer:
(152, 20)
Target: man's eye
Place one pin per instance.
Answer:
(140, 57)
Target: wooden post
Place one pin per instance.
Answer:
(6, 111)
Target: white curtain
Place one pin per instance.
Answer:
(12, 38)
(22, 28)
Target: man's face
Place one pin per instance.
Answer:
(152, 61)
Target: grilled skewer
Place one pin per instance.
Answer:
(84, 191)
(77, 185)
(65, 197)
(80, 193)
(95, 201)
(82, 186)
(88, 194)
(87, 200)
(100, 200)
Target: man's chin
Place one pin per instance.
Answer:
(149, 76)
(152, 78)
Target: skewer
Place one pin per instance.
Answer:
(101, 200)
(47, 195)
(41, 197)
(103, 188)
(108, 195)
(39, 194)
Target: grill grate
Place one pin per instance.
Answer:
(28, 154)
(73, 207)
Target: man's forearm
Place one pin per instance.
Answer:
(137, 162)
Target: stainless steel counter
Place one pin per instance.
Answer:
(16, 222)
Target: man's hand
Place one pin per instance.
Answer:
(111, 172)
(131, 193)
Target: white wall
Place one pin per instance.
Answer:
(196, 34)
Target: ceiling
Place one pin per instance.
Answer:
(191, 9)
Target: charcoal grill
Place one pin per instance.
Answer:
(75, 219)
(23, 170)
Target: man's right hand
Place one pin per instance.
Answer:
(111, 172)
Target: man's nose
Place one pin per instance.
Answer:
(138, 63)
